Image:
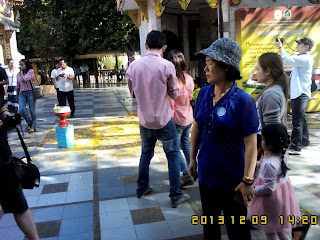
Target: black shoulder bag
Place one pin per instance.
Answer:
(28, 173)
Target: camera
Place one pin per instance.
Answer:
(281, 40)
(11, 121)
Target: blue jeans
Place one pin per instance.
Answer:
(24, 98)
(168, 136)
(300, 134)
(183, 136)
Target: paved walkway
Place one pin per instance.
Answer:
(88, 191)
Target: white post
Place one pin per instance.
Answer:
(153, 23)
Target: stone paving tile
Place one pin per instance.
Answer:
(111, 206)
(181, 227)
(48, 229)
(121, 233)
(78, 236)
(48, 214)
(52, 199)
(76, 225)
(147, 215)
(115, 220)
(78, 210)
(129, 179)
(154, 231)
(54, 188)
(11, 233)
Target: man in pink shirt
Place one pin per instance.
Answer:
(152, 79)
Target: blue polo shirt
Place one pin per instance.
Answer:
(221, 132)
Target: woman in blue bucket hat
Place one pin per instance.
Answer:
(224, 143)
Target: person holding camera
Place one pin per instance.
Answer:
(300, 91)
(65, 77)
(12, 199)
(25, 84)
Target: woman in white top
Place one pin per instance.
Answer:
(12, 72)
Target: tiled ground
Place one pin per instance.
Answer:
(88, 191)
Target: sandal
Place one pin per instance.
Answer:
(27, 128)
(32, 130)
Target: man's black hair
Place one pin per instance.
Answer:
(156, 39)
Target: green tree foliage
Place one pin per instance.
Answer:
(41, 31)
(58, 27)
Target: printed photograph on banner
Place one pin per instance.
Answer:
(257, 30)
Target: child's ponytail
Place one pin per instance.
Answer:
(284, 167)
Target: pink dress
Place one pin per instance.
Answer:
(274, 197)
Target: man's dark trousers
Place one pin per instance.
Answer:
(63, 100)
(300, 134)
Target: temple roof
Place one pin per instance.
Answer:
(16, 2)
(185, 6)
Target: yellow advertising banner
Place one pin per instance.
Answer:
(258, 28)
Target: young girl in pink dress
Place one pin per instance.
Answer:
(274, 194)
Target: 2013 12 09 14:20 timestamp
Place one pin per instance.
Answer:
(263, 219)
(304, 219)
(204, 220)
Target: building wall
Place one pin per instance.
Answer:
(170, 22)
(208, 28)
(257, 4)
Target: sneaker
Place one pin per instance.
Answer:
(150, 189)
(182, 199)
(186, 180)
(305, 147)
(294, 152)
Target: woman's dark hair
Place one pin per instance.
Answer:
(232, 74)
(155, 39)
(274, 63)
(9, 60)
(177, 58)
(198, 81)
(28, 65)
(277, 139)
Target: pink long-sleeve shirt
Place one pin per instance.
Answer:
(180, 107)
(23, 83)
(152, 79)
(270, 174)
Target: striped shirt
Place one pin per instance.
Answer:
(23, 83)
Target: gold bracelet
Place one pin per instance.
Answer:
(248, 178)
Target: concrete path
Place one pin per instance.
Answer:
(88, 191)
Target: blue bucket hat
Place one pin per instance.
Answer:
(224, 50)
